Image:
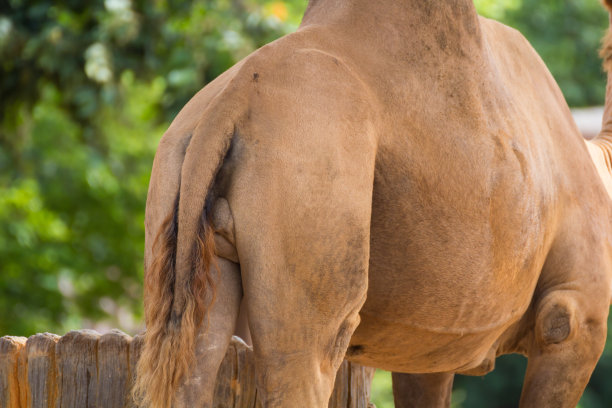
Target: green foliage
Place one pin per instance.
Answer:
(567, 35)
(500, 389)
(87, 89)
(381, 393)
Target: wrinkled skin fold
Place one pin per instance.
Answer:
(400, 183)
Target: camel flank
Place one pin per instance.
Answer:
(398, 182)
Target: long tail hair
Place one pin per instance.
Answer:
(178, 282)
(169, 340)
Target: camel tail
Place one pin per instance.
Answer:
(178, 284)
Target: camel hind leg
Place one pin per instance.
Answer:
(303, 304)
(300, 192)
(213, 338)
(571, 306)
(301, 327)
(303, 243)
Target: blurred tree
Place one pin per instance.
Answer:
(87, 91)
(566, 34)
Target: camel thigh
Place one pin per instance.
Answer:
(213, 338)
(304, 377)
(422, 390)
(301, 338)
(304, 293)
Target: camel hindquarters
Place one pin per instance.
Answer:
(304, 270)
(301, 203)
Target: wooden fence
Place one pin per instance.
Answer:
(84, 369)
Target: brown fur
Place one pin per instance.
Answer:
(169, 344)
(408, 185)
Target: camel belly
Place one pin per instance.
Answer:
(422, 317)
(423, 325)
(396, 347)
(453, 263)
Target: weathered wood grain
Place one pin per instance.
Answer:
(352, 386)
(22, 376)
(113, 370)
(83, 369)
(235, 385)
(42, 374)
(226, 380)
(245, 390)
(134, 354)
(360, 381)
(77, 369)
(12, 382)
(340, 395)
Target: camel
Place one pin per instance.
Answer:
(398, 183)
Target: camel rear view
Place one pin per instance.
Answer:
(387, 184)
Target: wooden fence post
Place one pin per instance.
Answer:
(84, 370)
(114, 380)
(75, 354)
(42, 375)
(12, 368)
(134, 353)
